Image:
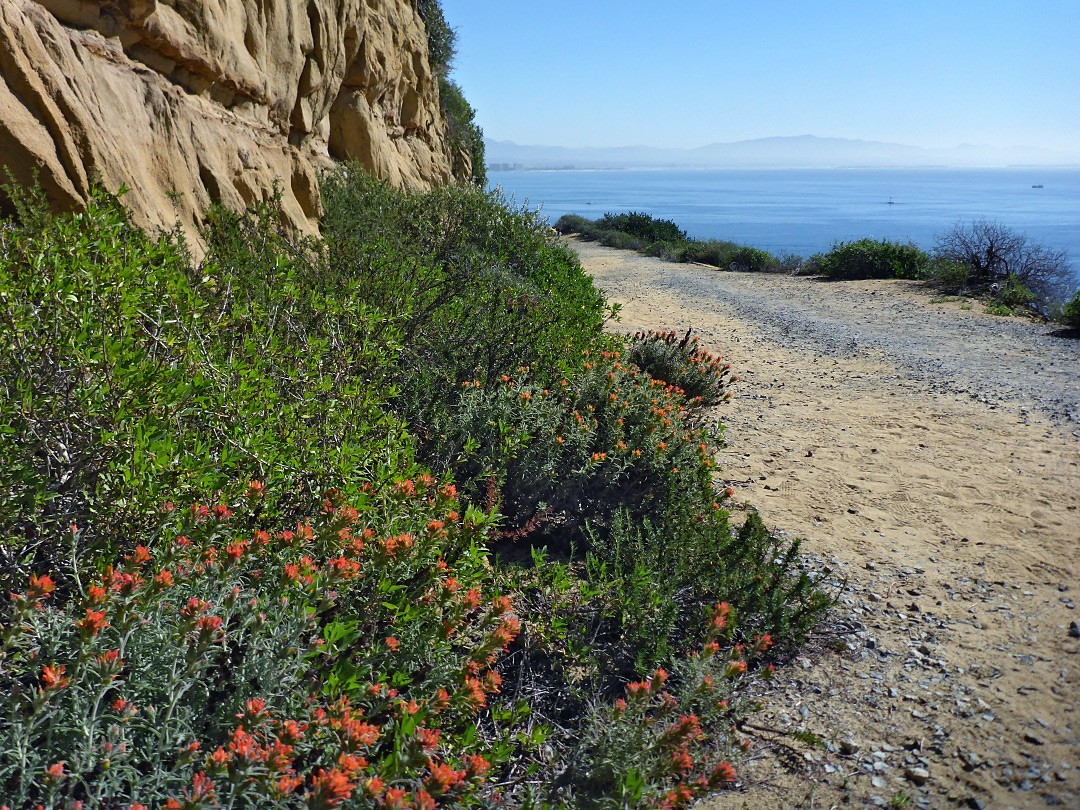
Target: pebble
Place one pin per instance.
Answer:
(917, 776)
(1074, 629)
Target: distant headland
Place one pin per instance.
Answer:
(795, 152)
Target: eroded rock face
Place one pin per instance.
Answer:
(217, 100)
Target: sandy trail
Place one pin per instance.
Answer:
(929, 455)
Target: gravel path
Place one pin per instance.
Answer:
(930, 457)
(1010, 361)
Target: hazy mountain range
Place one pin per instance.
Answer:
(798, 152)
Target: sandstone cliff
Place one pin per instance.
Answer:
(216, 100)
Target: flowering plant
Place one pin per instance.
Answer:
(608, 437)
(223, 667)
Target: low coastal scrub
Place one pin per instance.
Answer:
(379, 520)
(869, 258)
(664, 239)
(1070, 312)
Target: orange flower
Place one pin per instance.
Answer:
(92, 624)
(478, 766)
(724, 772)
(736, 668)
(201, 788)
(373, 787)
(428, 737)
(658, 680)
(443, 778)
(39, 588)
(208, 627)
(329, 790)
(124, 707)
(681, 762)
(53, 678)
(287, 784)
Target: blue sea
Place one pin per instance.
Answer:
(806, 211)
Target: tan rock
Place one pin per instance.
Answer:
(219, 100)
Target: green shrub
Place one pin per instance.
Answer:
(606, 438)
(1012, 293)
(869, 258)
(572, 223)
(752, 260)
(714, 251)
(1070, 312)
(648, 229)
(143, 379)
(661, 579)
(622, 241)
(465, 134)
(441, 38)
(698, 375)
(477, 289)
(951, 277)
(665, 240)
(127, 376)
(646, 749)
(668, 251)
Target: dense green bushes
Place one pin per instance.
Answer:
(1070, 312)
(129, 377)
(870, 258)
(606, 438)
(643, 226)
(288, 387)
(664, 239)
(465, 134)
(476, 289)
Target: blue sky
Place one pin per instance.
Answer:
(931, 73)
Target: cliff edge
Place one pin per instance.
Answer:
(188, 102)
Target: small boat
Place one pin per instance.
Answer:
(890, 202)
(1037, 185)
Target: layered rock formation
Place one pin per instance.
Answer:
(192, 101)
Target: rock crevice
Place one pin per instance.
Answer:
(218, 100)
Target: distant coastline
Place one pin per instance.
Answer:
(505, 167)
(788, 153)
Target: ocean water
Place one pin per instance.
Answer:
(806, 211)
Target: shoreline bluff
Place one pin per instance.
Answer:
(930, 458)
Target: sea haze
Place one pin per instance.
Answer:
(804, 211)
